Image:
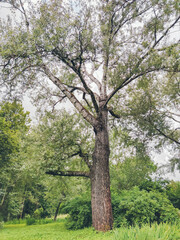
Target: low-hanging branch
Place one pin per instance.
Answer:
(69, 173)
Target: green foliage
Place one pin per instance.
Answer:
(130, 208)
(13, 127)
(130, 161)
(173, 193)
(1, 224)
(30, 221)
(14, 114)
(17, 221)
(13, 122)
(79, 210)
(38, 213)
(171, 189)
(63, 136)
(150, 185)
(130, 172)
(141, 207)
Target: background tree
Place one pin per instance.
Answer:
(13, 122)
(118, 55)
(55, 146)
(13, 125)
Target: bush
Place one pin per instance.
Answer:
(137, 207)
(30, 221)
(79, 210)
(150, 185)
(173, 193)
(130, 208)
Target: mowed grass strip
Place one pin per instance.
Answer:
(51, 231)
(57, 231)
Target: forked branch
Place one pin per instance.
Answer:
(87, 115)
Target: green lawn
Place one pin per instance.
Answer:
(57, 231)
(50, 231)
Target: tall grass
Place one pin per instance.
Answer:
(162, 232)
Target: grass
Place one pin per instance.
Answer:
(156, 232)
(57, 231)
(51, 231)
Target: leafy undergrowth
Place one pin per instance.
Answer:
(57, 231)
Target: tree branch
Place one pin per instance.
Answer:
(93, 79)
(84, 97)
(85, 157)
(21, 9)
(127, 81)
(113, 113)
(70, 63)
(130, 78)
(161, 132)
(89, 117)
(24, 13)
(90, 92)
(74, 88)
(69, 173)
(166, 136)
(124, 20)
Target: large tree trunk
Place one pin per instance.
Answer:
(102, 218)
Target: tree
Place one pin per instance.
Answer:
(58, 144)
(12, 122)
(117, 55)
(13, 125)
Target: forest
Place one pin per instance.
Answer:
(104, 77)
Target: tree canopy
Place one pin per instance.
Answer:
(13, 122)
(13, 126)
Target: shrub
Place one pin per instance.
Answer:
(79, 210)
(140, 207)
(173, 193)
(30, 221)
(130, 208)
(150, 185)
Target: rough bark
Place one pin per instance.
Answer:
(102, 218)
